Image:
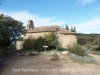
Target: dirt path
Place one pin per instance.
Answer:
(97, 57)
(42, 65)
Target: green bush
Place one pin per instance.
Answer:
(39, 43)
(77, 49)
(52, 40)
(81, 40)
(28, 44)
(98, 44)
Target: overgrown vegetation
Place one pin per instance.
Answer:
(84, 39)
(37, 44)
(73, 28)
(52, 40)
(10, 30)
(28, 43)
(83, 59)
(90, 41)
(77, 49)
(79, 53)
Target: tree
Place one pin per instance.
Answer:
(67, 28)
(10, 30)
(73, 29)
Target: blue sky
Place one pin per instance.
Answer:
(83, 14)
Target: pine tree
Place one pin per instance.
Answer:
(67, 28)
(74, 30)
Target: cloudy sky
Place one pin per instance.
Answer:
(84, 14)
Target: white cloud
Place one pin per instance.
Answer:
(93, 24)
(24, 16)
(84, 2)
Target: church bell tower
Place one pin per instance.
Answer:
(30, 24)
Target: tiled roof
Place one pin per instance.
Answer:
(53, 28)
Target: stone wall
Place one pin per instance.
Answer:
(35, 35)
(19, 45)
(65, 40)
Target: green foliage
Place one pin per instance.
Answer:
(73, 29)
(10, 30)
(81, 40)
(20, 39)
(49, 37)
(99, 44)
(77, 49)
(52, 40)
(95, 51)
(67, 28)
(84, 39)
(28, 44)
(83, 59)
(39, 43)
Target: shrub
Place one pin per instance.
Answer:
(52, 40)
(83, 59)
(81, 40)
(39, 43)
(98, 45)
(28, 43)
(77, 49)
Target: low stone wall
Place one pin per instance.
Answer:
(19, 45)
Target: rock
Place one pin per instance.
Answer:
(58, 54)
(26, 53)
(35, 52)
(64, 53)
(41, 53)
(45, 52)
(48, 53)
(52, 53)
